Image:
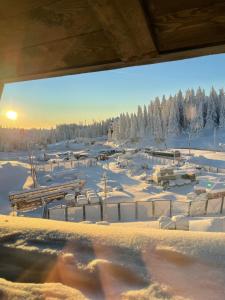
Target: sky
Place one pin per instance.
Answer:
(100, 95)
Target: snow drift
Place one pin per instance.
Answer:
(108, 262)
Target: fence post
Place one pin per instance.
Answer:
(101, 211)
(189, 208)
(84, 213)
(119, 212)
(136, 210)
(171, 206)
(206, 206)
(153, 208)
(221, 207)
(66, 213)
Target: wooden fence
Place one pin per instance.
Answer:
(136, 211)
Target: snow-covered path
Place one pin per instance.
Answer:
(13, 176)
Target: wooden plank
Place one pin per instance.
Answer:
(85, 50)
(162, 7)
(26, 200)
(114, 63)
(12, 8)
(59, 20)
(77, 36)
(197, 25)
(55, 187)
(130, 39)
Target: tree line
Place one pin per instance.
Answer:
(13, 139)
(187, 112)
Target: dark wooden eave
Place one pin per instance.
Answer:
(46, 38)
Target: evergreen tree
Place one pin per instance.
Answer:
(222, 108)
(174, 120)
(212, 119)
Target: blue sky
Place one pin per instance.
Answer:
(96, 96)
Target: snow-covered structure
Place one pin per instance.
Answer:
(206, 190)
(169, 176)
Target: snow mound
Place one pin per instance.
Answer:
(166, 223)
(29, 291)
(208, 224)
(181, 221)
(109, 262)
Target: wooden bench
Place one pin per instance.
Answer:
(33, 198)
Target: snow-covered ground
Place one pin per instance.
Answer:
(127, 174)
(14, 176)
(133, 260)
(108, 262)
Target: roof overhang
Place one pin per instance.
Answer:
(46, 38)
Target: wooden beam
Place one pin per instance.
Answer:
(55, 21)
(131, 39)
(196, 24)
(75, 52)
(1, 89)
(115, 64)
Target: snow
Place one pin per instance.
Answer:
(166, 223)
(126, 261)
(13, 176)
(181, 222)
(208, 224)
(29, 291)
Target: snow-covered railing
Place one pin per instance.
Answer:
(136, 211)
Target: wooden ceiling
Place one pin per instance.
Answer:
(45, 38)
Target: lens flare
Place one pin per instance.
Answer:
(11, 115)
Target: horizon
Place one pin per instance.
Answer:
(101, 95)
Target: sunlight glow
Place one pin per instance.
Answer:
(11, 115)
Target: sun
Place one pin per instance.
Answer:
(11, 115)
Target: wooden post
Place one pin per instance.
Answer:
(66, 213)
(171, 205)
(136, 210)
(189, 208)
(101, 211)
(221, 207)
(119, 213)
(153, 208)
(1, 89)
(84, 213)
(206, 206)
